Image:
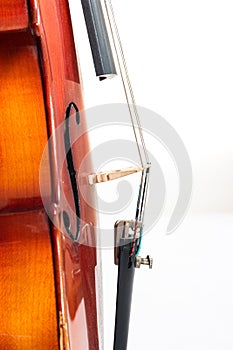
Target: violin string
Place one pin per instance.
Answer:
(126, 81)
(138, 211)
(141, 208)
(129, 83)
(143, 188)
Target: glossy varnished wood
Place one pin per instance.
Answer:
(28, 315)
(38, 79)
(23, 132)
(13, 15)
(61, 86)
(27, 294)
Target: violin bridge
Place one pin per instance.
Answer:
(110, 175)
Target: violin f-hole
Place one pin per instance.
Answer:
(72, 172)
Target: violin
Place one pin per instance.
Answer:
(48, 290)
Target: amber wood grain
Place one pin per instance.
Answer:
(27, 294)
(40, 265)
(28, 315)
(13, 15)
(23, 132)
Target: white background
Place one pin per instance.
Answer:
(180, 59)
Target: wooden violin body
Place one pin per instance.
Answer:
(47, 279)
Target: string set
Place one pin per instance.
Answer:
(136, 124)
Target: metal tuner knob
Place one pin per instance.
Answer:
(144, 261)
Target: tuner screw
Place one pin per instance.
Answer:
(144, 261)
